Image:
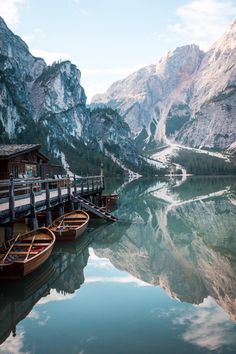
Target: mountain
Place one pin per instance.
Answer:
(47, 105)
(188, 98)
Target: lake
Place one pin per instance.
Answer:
(161, 280)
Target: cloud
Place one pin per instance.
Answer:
(50, 57)
(14, 345)
(54, 296)
(119, 280)
(40, 317)
(9, 10)
(207, 326)
(203, 21)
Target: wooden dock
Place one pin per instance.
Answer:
(25, 198)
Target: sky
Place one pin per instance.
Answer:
(110, 39)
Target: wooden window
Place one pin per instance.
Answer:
(30, 170)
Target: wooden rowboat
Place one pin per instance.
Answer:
(25, 253)
(70, 226)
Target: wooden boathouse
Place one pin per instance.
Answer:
(25, 192)
(25, 161)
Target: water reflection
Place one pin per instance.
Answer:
(61, 275)
(182, 237)
(100, 294)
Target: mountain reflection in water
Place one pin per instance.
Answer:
(182, 237)
(177, 235)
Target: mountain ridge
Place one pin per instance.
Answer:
(193, 93)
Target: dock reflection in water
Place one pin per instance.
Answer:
(62, 273)
(174, 241)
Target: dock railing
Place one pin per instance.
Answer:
(17, 193)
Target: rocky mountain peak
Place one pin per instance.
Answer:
(11, 45)
(217, 71)
(183, 60)
(3, 25)
(57, 89)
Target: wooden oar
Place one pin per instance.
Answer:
(30, 247)
(58, 227)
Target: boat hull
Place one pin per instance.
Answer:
(19, 269)
(70, 235)
(72, 231)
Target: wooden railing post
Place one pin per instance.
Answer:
(34, 221)
(92, 185)
(102, 176)
(68, 188)
(32, 197)
(61, 205)
(59, 192)
(75, 185)
(47, 194)
(82, 186)
(11, 198)
(87, 180)
(48, 204)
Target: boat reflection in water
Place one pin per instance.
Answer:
(62, 272)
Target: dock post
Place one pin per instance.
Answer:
(8, 231)
(11, 198)
(87, 181)
(48, 217)
(68, 188)
(33, 216)
(75, 192)
(69, 193)
(75, 185)
(102, 176)
(48, 213)
(92, 185)
(82, 187)
(47, 194)
(61, 205)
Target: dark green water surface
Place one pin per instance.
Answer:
(161, 280)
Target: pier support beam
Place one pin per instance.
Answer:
(33, 221)
(33, 215)
(102, 176)
(48, 217)
(8, 231)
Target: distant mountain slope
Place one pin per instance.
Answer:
(187, 98)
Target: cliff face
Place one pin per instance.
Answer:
(188, 97)
(37, 98)
(213, 109)
(18, 70)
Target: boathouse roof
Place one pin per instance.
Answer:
(12, 150)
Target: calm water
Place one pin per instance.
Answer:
(161, 280)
